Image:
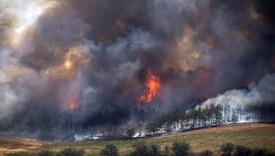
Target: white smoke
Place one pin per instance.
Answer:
(8, 100)
(262, 92)
(266, 87)
(238, 100)
(235, 98)
(11, 94)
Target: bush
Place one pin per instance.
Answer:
(154, 150)
(181, 148)
(109, 150)
(167, 151)
(206, 153)
(140, 149)
(45, 153)
(72, 152)
(227, 149)
(261, 152)
(242, 151)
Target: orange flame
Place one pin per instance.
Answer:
(152, 85)
(72, 105)
(72, 102)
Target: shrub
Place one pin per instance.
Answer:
(72, 152)
(206, 153)
(227, 149)
(181, 148)
(167, 151)
(154, 150)
(261, 152)
(140, 149)
(242, 151)
(109, 150)
(45, 153)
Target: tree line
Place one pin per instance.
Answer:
(190, 119)
(207, 116)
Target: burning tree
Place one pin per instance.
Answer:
(152, 84)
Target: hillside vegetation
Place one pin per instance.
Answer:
(250, 135)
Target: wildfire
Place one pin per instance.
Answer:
(72, 105)
(72, 102)
(152, 85)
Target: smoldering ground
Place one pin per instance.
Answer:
(84, 63)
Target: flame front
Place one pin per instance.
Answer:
(152, 85)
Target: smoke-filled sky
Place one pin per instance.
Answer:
(113, 63)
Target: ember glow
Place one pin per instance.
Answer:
(152, 84)
(72, 105)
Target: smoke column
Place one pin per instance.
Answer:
(105, 65)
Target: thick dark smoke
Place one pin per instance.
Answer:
(78, 65)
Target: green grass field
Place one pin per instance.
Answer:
(251, 135)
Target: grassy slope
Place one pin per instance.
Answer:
(251, 135)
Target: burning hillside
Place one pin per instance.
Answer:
(72, 66)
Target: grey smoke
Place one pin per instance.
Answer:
(198, 49)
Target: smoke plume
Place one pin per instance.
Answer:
(83, 65)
